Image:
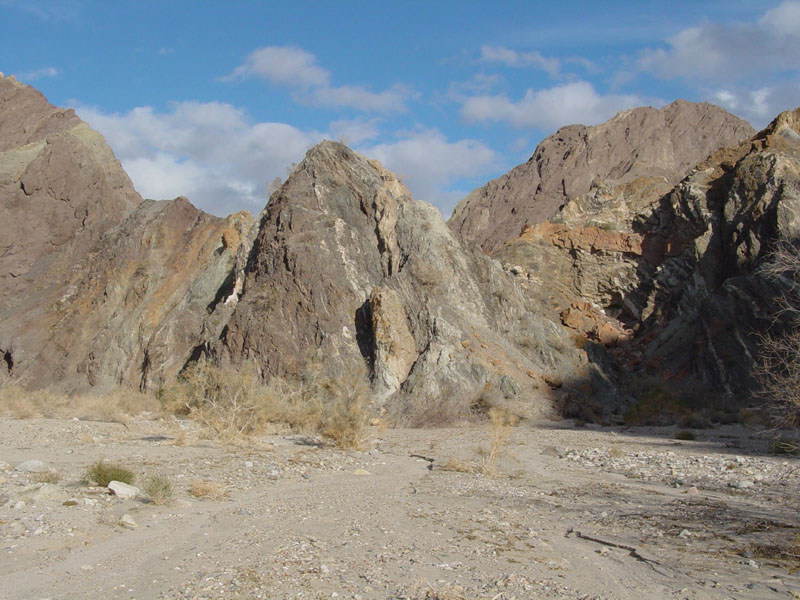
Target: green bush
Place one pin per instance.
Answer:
(103, 473)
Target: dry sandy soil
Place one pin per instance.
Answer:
(570, 513)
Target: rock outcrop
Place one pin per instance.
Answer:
(663, 143)
(98, 287)
(348, 268)
(672, 277)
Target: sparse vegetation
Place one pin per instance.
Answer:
(103, 473)
(233, 403)
(685, 434)
(46, 477)
(785, 445)
(116, 407)
(158, 487)
(207, 490)
(500, 423)
(779, 372)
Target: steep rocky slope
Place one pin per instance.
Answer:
(640, 142)
(97, 287)
(672, 276)
(348, 267)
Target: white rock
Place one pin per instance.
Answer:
(123, 490)
(32, 466)
(127, 521)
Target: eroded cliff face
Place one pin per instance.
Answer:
(671, 276)
(97, 287)
(664, 143)
(347, 267)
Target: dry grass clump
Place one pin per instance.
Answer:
(459, 466)
(115, 407)
(685, 434)
(103, 473)
(158, 488)
(207, 490)
(46, 477)
(233, 403)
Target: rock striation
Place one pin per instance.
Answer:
(663, 143)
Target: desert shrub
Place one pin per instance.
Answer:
(500, 423)
(103, 473)
(227, 401)
(346, 414)
(234, 403)
(779, 370)
(158, 487)
(685, 434)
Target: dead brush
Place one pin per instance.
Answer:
(207, 490)
(500, 423)
(226, 401)
(117, 406)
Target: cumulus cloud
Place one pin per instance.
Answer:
(212, 153)
(39, 74)
(728, 53)
(282, 65)
(298, 70)
(758, 106)
(428, 164)
(208, 151)
(575, 102)
(513, 58)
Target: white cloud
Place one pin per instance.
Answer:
(282, 65)
(758, 106)
(209, 152)
(428, 164)
(353, 131)
(298, 70)
(212, 153)
(728, 53)
(576, 102)
(39, 74)
(512, 58)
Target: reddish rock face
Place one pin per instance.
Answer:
(97, 287)
(644, 141)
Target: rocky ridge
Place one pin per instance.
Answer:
(663, 143)
(97, 287)
(347, 267)
(672, 276)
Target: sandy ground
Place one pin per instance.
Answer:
(570, 513)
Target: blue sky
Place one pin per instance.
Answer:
(214, 100)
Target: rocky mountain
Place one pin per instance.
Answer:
(639, 275)
(348, 268)
(97, 287)
(663, 143)
(670, 277)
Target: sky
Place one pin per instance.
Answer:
(217, 100)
